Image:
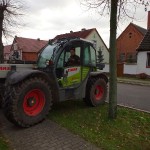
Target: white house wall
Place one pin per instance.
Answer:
(130, 69)
(134, 69)
(141, 63)
(99, 44)
(106, 68)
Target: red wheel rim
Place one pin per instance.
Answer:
(99, 91)
(34, 102)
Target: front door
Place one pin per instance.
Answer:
(69, 66)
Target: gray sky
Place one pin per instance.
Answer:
(47, 18)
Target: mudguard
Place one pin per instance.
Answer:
(99, 74)
(18, 76)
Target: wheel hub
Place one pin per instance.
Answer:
(34, 102)
(31, 101)
(99, 91)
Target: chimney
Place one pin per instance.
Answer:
(83, 29)
(148, 20)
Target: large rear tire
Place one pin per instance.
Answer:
(96, 92)
(1, 95)
(28, 102)
(1, 100)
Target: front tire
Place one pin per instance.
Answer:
(27, 103)
(96, 92)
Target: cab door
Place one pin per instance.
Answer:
(70, 75)
(89, 60)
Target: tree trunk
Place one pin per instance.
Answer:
(112, 113)
(1, 30)
(1, 53)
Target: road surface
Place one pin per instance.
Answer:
(135, 96)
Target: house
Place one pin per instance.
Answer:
(7, 52)
(127, 43)
(26, 49)
(91, 35)
(143, 59)
(131, 47)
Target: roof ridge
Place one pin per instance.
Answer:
(81, 33)
(29, 38)
(78, 31)
(138, 25)
(139, 28)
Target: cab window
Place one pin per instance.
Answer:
(93, 56)
(60, 63)
(86, 55)
(89, 56)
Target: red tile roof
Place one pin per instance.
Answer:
(81, 34)
(29, 45)
(7, 49)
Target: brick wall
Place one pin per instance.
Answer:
(127, 44)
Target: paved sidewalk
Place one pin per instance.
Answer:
(44, 136)
(134, 81)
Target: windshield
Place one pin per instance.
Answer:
(47, 54)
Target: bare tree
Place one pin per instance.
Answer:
(118, 10)
(10, 12)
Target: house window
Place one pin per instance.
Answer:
(101, 48)
(122, 57)
(94, 36)
(95, 43)
(131, 57)
(148, 60)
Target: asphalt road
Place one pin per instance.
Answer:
(135, 96)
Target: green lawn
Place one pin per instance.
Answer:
(130, 131)
(134, 79)
(3, 143)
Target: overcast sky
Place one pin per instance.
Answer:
(47, 18)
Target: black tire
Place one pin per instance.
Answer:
(96, 92)
(1, 96)
(28, 102)
(1, 100)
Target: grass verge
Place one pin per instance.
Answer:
(131, 129)
(3, 143)
(134, 79)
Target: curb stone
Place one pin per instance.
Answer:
(134, 82)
